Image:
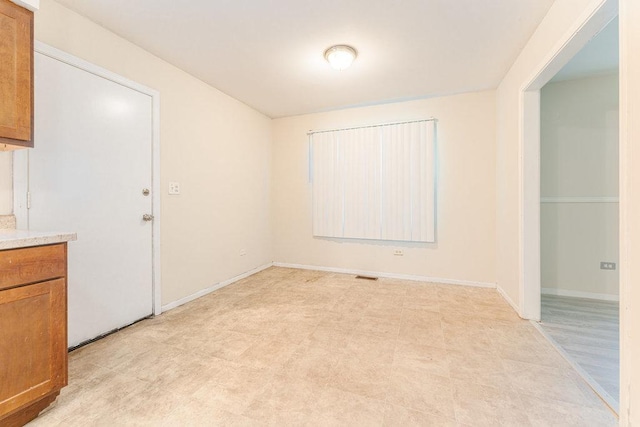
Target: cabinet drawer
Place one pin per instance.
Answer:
(30, 265)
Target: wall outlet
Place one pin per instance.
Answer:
(607, 265)
(174, 188)
(243, 252)
(398, 252)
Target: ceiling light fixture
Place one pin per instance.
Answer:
(340, 56)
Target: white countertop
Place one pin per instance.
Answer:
(12, 239)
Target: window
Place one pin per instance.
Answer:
(375, 182)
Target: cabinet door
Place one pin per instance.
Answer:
(16, 75)
(33, 343)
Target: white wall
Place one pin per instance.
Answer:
(6, 183)
(465, 230)
(579, 161)
(215, 146)
(629, 213)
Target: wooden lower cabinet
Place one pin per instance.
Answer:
(33, 331)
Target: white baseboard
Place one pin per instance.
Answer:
(387, 275)
(579, 294)
(215, 287)
(222, 284)
(509, 301)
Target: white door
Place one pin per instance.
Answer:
(92, 160)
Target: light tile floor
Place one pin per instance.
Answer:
(295, 347)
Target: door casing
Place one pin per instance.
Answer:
(529, 180)
(20, 161)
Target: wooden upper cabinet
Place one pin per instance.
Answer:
(16, 76)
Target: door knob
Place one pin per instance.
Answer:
(147, 217)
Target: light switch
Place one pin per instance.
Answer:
(174, 188)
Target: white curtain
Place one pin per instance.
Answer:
(375, 182)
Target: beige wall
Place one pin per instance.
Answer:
(216, 147)
(555, 29)
(579, 159)
(629, 213)
(465, 248)
(199, 125)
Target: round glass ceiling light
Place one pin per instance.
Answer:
(340, 57)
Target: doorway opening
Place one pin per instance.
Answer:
(564, 206)
(579, 231)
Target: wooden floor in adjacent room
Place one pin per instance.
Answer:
(291, 347)
(588, 331)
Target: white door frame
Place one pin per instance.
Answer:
(584, 30)
(20, 157)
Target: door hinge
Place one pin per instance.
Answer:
(28, 199)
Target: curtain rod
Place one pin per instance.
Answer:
(430, 119)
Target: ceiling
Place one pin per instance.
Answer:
(269, 53)
(599, 56)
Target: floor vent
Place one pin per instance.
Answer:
(366, 277)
